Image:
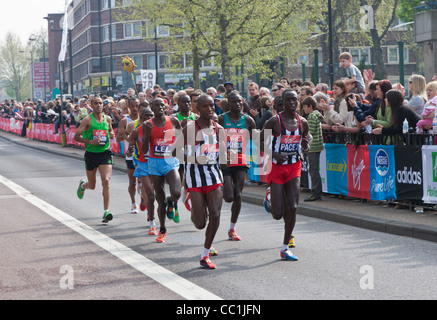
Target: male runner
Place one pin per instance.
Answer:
(203, 176)
(184, 115)
(159, 137)
(123, 136)
(142, 169)
(94, 131)
(238, 127)
(290, 137)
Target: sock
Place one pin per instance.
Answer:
(284, 247)
(152, 223)
(83, 185)
(232, 226)
(205, 253)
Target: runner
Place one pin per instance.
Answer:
(238, 127)
(159, 136)
(203, 176)
(184, 115)
(290, 137)
(123, 136)
(95, 131)
(142, 169)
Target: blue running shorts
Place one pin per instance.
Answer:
(142, 170)
(162, 166)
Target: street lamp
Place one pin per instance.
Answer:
(331, 53)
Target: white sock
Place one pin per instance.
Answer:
(152, 223)
(284, 247)
(232, 226)
(205, 253)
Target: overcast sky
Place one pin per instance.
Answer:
(24, 17)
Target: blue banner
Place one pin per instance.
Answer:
(382, 172)
(336, 168)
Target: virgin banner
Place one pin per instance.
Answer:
(358, 172)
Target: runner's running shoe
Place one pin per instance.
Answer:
(170, 208)
(134, 208)
(152, 231)
(206, 263)
(80, 189)
(288, 255)
(233, 235)
(107, 216)
(176, 217)
(213, 252)
(161, 237)
(291, 243)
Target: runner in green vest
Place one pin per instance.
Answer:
(95, 131)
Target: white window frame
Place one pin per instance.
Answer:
(131, 26)
(406, 55)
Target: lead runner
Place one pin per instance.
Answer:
(289, 138)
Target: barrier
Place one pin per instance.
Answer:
(45, 132)
(404, 171)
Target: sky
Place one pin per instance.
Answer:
(23, 17)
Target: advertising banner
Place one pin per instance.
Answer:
(429, 165)
(336, 168)
(409, 175)
(382, 172)
(358, 171)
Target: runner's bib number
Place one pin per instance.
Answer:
(102, 134)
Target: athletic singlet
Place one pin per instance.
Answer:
(287, 142)
(236, 138)
(139, 154)
(208, 174)
(162, 139)
(181, 118)
(97, 129)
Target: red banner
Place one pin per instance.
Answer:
(358, 172)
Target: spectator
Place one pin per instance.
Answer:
(264, 113)
(400, 111)
(322, 87)
(339, 114)
(417, 89)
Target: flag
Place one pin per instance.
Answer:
(63, 51)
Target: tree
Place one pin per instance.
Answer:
(233, 32)
(14, 68)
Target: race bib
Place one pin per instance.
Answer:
(210, 152)
(289, 144)
(162, 148)
(102, 134)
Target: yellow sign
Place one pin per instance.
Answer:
(95, 82)
(105, 81)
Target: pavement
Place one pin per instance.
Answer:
(373, 215)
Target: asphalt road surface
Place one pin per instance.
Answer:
(54, 246)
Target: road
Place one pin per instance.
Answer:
(54, 246)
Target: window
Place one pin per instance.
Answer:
(105, 33)
(393, 55)
(358, 54)
(163, 61)
(105, 4)
(133, 30)
(161, 31)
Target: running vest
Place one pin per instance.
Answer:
(181, 118)
(162, 139)
(236, 138)
(139, 154)
(97, 129)
(288, 142)
(209, 173)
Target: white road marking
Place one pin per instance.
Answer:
(172, 281)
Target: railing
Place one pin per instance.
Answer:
(426, 6)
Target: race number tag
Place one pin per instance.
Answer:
(102, 134)
(289, 144)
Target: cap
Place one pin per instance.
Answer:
(218, 97)
(231, 83)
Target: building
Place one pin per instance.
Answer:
(98, 40)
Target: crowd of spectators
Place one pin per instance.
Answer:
(357, 103)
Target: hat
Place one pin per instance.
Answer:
(218, 97)
(231, 83)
